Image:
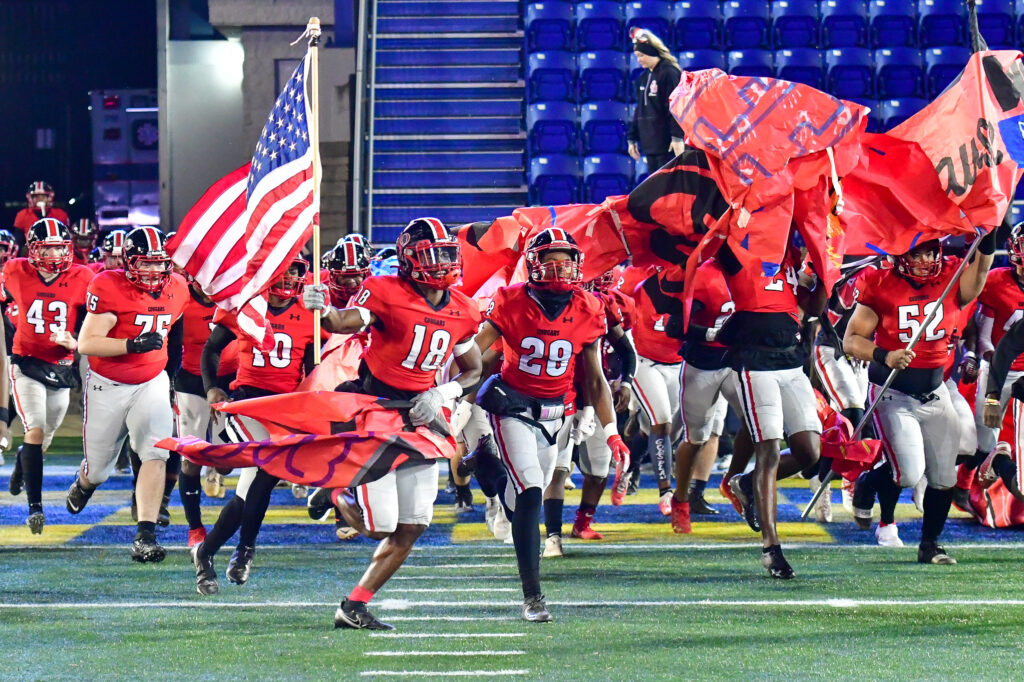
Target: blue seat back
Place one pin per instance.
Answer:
(850, 73)
(844, 23)
(599, 25)
(551, 76)
(551, 128)
(602, 75)
(750, 63)
(996, 22)
(801, 65)
(745, 24)
(554, 180)
(892, 23)
(896, 111)
(654, 15)
(942, 65)
(549, 25)
(941, 22)
(698, 25)
(604, 126)
(795, 23)
(606, 175)
(899, 72)
(695, 60)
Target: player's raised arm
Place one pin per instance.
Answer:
(972, 281)
(348, 320)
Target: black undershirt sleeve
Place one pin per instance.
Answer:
(1007, 350)
(307, 359)
(175, 340)
(627, 356)
(209, 363)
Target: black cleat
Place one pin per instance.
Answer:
(932, 553)
(319, 505)
(163, 517)
(147, 550)
(863, 502)
(535, 610)
(36, 520)
(742, 487)
(634, 483)
(353, 614)
(962, 499)
(240, 564)
(698, 505)
(206, 575)
(77, 497)
(17, 483)
(778, 567)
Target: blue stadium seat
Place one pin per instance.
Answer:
(942, 22)
(549, 26)
(896, 111)
(695, 60)
(850, 73)
(942, 65)
(602, 75)
(698, 25)
(551, 128)
(874, 116)
(750, 63)
(641, 171)
(801, 65)
(604, 126)
(654, 15)
(795, 23)
(892, 23)
(995, 21)
(899, 72)
(606, 175)
(844, 23)
(599, 25)
(745, 24)
(551, 76)
(554, 180)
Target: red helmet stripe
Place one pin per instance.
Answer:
(437, 227)
(350, 252)
(152, 239)
(558, 234)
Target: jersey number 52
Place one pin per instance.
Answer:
(911, 318)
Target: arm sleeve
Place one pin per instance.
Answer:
(632, 135)
(627, 356)
(307, 358)
(175, 342)
(1010, 346)
(985, 333)
(82, 310)
(209, 363)
(669, 82)
(727, 259)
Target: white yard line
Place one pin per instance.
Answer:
(431, 673)
(458, 590)
(445, 635)
(441, 654)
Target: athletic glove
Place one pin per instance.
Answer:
(425, 407)
(620, 454)
(315, 297)
(969, 369)
(583, 425)
(144, 343)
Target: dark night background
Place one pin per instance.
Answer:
(52, 53)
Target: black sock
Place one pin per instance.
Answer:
(973, 461)
(490, 472)
(1005, 468)
(227, 523)
(697, 486)
(255, 510)
(463, 493)
(526, 536)
(146, 529)
(32, 472)
(936, 510)
(888, 497)
(188, 487)
(136, 464)
(824, 467)
(553, 516)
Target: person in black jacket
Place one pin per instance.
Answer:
(653, 131)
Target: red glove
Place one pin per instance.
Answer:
(620, 454)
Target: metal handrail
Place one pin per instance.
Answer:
(357, 134)
(370, 114)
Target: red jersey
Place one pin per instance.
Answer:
(754, 292)
(198, 323)
(540, 351)
(1003, 300)
(44, 308)
(411, 339)
(78, 259)
(620, 307)
(711, 291)
(961, 323)
(27, 217)
(279, 370)
(96, 267)
(631, 276)
(137, 312)
(901, 308)
(649, 335)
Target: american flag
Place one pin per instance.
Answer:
(246, 229)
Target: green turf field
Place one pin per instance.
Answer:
(621, 612)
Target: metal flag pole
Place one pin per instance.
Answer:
(892, 374)
(313, 31)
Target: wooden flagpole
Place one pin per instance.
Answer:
(313, 31)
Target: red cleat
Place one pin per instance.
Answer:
(196, 535)
(581, 527)
(728, 494)
(620, 488)
(681, 517)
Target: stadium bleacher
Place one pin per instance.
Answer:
(891, 55)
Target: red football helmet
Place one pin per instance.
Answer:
(1015, 245)
(557, 275)
(8, 246)
(347, 266)
(429, 254)
(146, 263)
(49, 246)
(290, 284)
(921, 263)
(605, 282)
(83, 235)
(39, 188)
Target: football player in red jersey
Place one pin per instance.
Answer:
(656, 387)
(279, 370)
(347, 265)
(83, 240)
(915, 419)
(40, 205)
(544, 325)
(192, 410)
(416, 323)
(705, 384)
(775, 395)
(49, 292)
(127, 391)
